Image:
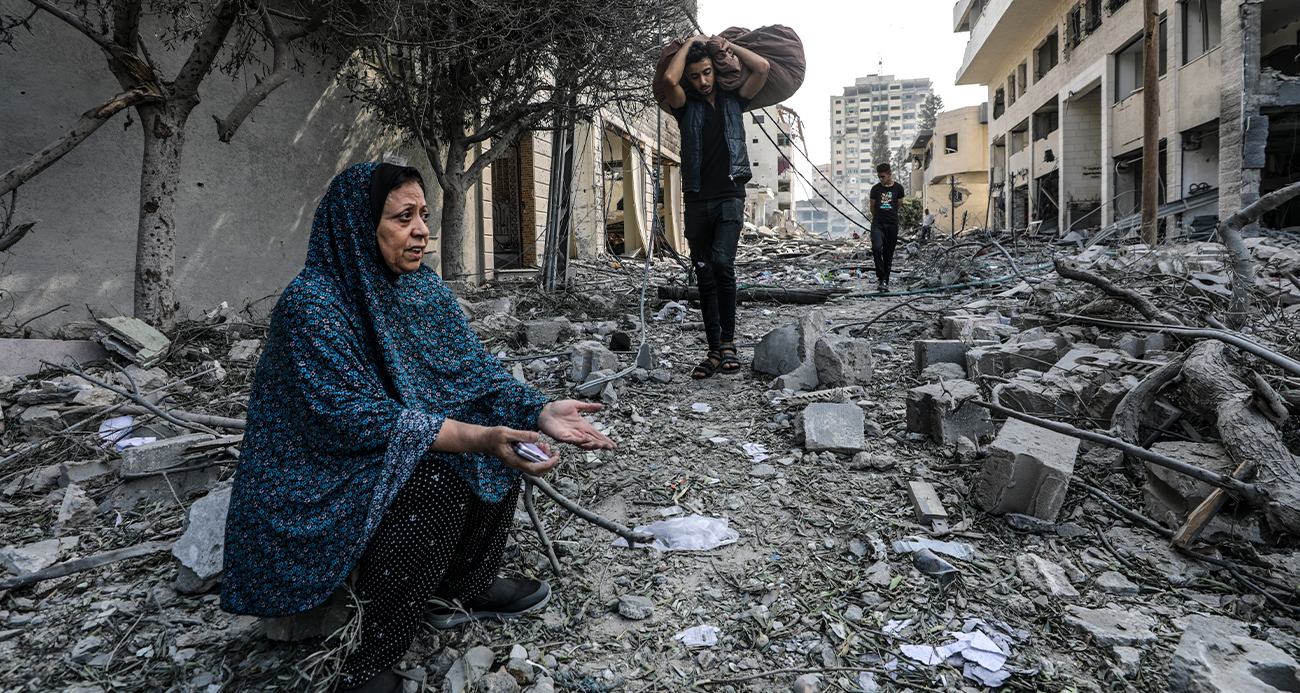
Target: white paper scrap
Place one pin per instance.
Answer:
(701, 406)
(756, 451)
(989, 678)
(924, 654)
(894, 626)
(112, 430)
(699, 636)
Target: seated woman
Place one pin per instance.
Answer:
(380, 436)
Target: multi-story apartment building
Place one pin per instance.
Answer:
(854, 116)
(1065, 93)
(771, 134)
(950, 169)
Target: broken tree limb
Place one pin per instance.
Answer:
(135, 398)
(1276, 411)
(87, 563)
(1243, 265)
(1280, 360)
(1248, 491)
(1071, 270)
(83, 128)
(1217, 389)
(632, 538)
(755, 293)
(201, 419)
(1126, 422)
(531, 508)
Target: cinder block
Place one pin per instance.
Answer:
(1026, 470)
(933, 409)
(834, 427)
(927, 352)
(960, 326)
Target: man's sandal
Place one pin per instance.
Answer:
(730, 363)
(707, 367)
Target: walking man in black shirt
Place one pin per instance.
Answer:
(886, 196)
(715, 168)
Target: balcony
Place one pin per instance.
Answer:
(999, 37)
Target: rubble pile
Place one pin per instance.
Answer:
(841, 516)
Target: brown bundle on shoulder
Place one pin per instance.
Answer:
(777, 43)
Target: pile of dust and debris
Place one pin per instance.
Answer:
(873, 529)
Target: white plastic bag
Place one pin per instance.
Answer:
(692, 533)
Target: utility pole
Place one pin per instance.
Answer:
(952, 206)
(1150, 120)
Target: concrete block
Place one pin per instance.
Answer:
(803, 377)
(842, 361)
(1111, 627)
(81, 472)
(159, 454)
(544, 333)
(993, 332)
(831, 427)
(936, 372)
(24, 356)
(1045, 576)
(133, 338)
(202, 545)
(783, 349)
(933, 409)
(590, 356)
(960, 327)
(1026, 470)
(31, 558)
(1217, 655)
(927, 352)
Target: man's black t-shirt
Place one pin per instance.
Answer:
(884, 203)
(715, 160)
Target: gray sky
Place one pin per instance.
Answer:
(846, 40)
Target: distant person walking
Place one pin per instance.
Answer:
(927, 224)
(886, 196)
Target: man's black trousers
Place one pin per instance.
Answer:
(884, 236)
(712, 231)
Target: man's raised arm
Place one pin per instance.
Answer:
(758, 69)
(673, 73)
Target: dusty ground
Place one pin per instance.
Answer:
(802, 590)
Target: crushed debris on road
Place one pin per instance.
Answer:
(841, 516)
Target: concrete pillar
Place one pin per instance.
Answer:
(586, 222)
(634, 199)
(674, 224)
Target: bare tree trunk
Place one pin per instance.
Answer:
(155, 248)
(454, 186)
(1216, 388)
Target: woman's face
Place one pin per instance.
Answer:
(402, 231)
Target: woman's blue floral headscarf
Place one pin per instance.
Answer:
(361, 368)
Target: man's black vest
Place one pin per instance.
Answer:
(693, 139)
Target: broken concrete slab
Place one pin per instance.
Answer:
(636, 608)
(77, 508)
(1026, 470)
(802, 378)
(1110, 627)
(133, 338)
(159, 454)
(589, 356)
(961, 327)
(831, 427)
(37, 556)
(81, 472)
(1145, 547)
(201, 547)
(24, 356)
(842, 361)
(1040, 355)
(1168, 495)
(928, 352)
(936, 372)
(783, 349)
(544, 333)
(1112, 582)
(1216, 655)
(936, 410)
(1045, 576)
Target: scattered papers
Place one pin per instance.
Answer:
(692, 533)
(959, 550)
(114, 431)
(756, 451)
(925, 654)
(867, 681)
(894, 627)
(699, 636)
(701, 407)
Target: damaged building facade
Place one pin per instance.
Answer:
(1065, 120)
(950, 169)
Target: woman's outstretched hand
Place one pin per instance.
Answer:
(563, 421)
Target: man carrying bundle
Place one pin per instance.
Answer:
(715, 168)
